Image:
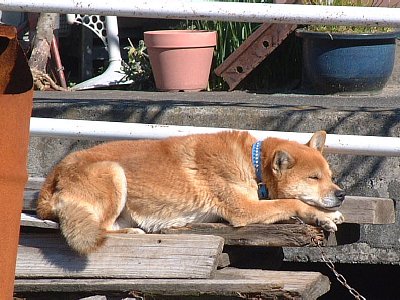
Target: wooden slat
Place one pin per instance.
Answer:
(123, 256)
(34, 183)
(254, 284)
(356, 209)
(269, 235)
(223, 260)
(368, 210)
(33, 221)
(252, 52)
(30, 200)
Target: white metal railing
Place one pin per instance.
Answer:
(100, 130)
(222, 11)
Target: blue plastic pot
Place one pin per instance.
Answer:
(337, 63)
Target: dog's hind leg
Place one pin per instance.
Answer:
(125, 224)
(88, 204)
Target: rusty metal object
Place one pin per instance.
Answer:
(15, 110)
(252, 52)
(55, 53)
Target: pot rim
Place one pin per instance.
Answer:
(180, 38)
(178, 31)
(305, 33)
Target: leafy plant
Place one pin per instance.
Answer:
(346, 28)
(138, 69)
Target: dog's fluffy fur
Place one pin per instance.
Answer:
(146, 185)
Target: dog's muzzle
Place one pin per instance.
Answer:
(340, 195)
(335, 200)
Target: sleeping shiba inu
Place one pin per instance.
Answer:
(146, 185)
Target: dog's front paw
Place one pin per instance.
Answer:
(329, 220)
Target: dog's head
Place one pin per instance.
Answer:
(300, 171)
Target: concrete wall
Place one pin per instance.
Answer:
(368, 176)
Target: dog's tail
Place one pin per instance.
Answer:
(45, 204)
(80, 228)
(77, 223)
(79, 206)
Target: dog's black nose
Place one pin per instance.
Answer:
(340, 194)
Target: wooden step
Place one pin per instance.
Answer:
(236, 283)
(157, 265)
(368, 210)
(42, 255)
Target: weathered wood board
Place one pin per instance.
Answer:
(356, 209)
(254, 284)
(268, 235)
(368, 210)
(43, 255)
(33, 221)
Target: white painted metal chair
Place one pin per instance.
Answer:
(106, 28)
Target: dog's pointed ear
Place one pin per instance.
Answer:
(317, 141)
(281, 162)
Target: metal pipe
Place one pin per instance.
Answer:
(99, 130)
(219, 11)
(59, 67)
(112, 39)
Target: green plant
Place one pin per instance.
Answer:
(346, 28)
(138, 69)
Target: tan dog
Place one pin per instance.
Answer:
(146, 185)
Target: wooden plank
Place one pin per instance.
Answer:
(31, 193)
(368, 210)
(33, 221)
(30, 200)
(34, 183)
(269, 235)
(356, 209)
(244, 284)
(223, 261)
(123, 256)
(261, 43)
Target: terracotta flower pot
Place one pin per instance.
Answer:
(180, 59)
(15, 110)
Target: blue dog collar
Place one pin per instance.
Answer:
(256, 158)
